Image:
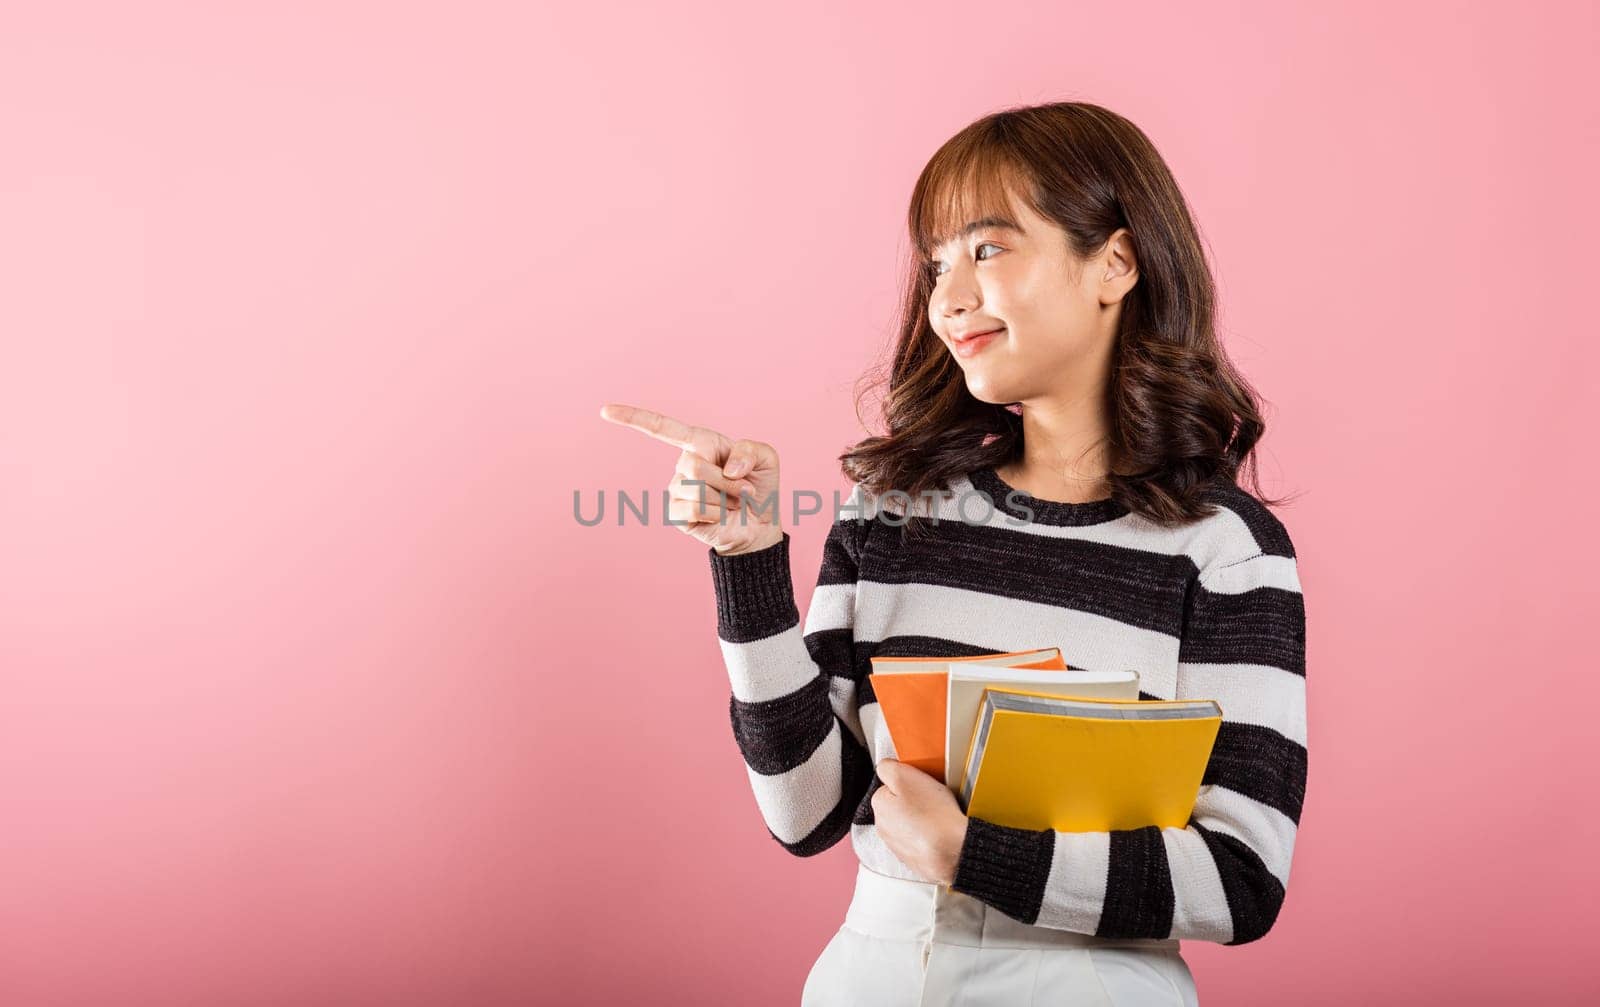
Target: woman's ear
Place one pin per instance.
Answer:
(1120, 271)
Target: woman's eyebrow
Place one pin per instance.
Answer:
(998, 223)
(1002, 223)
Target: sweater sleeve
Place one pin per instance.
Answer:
(793, 690)
(1222, 878)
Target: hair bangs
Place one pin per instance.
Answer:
(967, 185)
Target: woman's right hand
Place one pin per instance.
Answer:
(746, 470)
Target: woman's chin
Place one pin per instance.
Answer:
(985, 388)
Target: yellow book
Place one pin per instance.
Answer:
(968, 682)
(1039, 761)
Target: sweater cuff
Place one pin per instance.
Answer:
(1005, 867)
(755, 595)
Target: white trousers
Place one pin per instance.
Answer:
(915, 944)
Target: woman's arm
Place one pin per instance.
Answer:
(793, 701)
(1223, 877)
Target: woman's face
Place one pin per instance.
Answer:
(1056, 333)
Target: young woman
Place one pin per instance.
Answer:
(1057, 356)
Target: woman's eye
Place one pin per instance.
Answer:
(933, 264)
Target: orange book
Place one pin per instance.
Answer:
(912, 693)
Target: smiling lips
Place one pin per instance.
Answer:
(969, 346)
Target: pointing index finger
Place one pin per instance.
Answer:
(706, 443)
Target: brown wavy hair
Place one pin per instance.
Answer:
(1181, 417)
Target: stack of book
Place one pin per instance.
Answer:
(1023, 741)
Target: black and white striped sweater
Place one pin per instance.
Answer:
(1210, 610)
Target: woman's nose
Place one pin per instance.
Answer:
(957, 292)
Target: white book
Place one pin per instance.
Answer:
(967, 683)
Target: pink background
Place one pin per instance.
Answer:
(315, 691)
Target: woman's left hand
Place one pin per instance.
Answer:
(919, 819)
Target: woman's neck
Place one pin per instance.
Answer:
(1065, 455)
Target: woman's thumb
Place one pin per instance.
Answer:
(740, 460)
